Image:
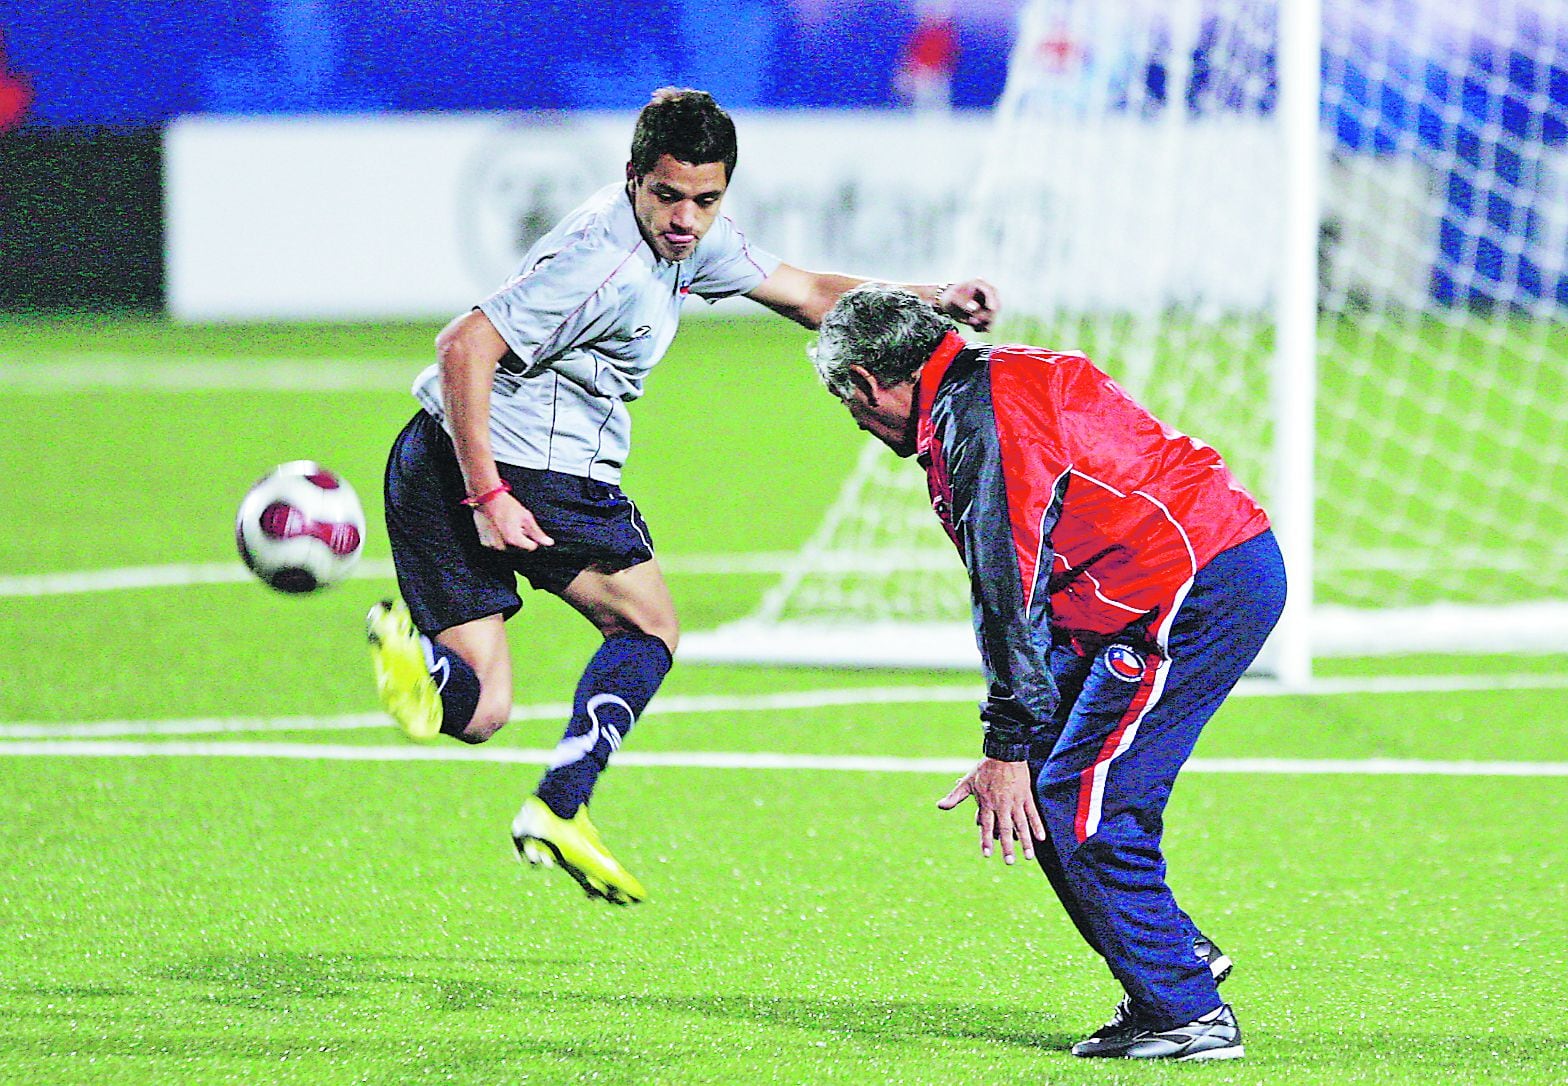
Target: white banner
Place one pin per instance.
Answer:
(422, 216)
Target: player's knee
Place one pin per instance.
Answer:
(663, 627)
(489, 717)
(670, 635)
(1122, 848)
(480, 729)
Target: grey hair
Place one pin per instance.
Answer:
(885, 329)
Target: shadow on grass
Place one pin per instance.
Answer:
(198, 1054)
(567, 1017)
(272, 980)
(275, 981)
(878, 1019)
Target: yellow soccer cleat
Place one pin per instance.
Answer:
(545, 839)
(403, 681)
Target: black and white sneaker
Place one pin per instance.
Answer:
(1127, 1021)
(1111, 1038)
(1215, 1036)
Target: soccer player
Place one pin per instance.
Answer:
(1121, 582)
(512, 463)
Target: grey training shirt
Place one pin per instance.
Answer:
(590, 311)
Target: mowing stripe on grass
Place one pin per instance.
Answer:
(170, 576)
(87, 371)
(1381, 767)
(179, 575)
(669, 705)
(676, 704)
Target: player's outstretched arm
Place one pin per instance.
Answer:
(802, 296)
(805, 297)
(468, 351)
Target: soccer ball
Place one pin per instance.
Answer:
(301, 527)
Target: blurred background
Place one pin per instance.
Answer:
(93, 189)
(88, 89)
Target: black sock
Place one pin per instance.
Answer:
(456, 682)
(615, 688)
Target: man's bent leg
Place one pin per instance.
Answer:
(1105, 788)
(634, 612)
(1102, 795)
(1069, 670)
(441, 663)
(473, 669)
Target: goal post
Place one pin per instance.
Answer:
(1293, 383)
(1328, 237)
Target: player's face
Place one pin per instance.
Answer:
(887, 414)
(675, 204)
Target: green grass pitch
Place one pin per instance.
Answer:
(201, 908)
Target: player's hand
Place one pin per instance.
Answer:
(1007, 808)
(973, 302)
(504, 522)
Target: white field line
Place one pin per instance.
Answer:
(180, 575)
(106, 371)
(679, 704)
(725, 760)
(170, 576)
(671, 705)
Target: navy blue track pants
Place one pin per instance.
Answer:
(1129, 718)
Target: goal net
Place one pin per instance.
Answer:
(1328, 237)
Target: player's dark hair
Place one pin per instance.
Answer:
(689, 126)
(887, 330)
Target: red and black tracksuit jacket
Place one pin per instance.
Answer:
(1078, 514)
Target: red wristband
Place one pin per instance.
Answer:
(474, 501)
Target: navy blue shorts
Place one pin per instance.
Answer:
(448, 578)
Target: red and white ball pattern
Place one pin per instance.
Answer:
(301, 527)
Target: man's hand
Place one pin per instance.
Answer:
(973, 302)
(1007, 807)
(504, 522)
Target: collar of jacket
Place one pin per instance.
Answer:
(931, 375)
